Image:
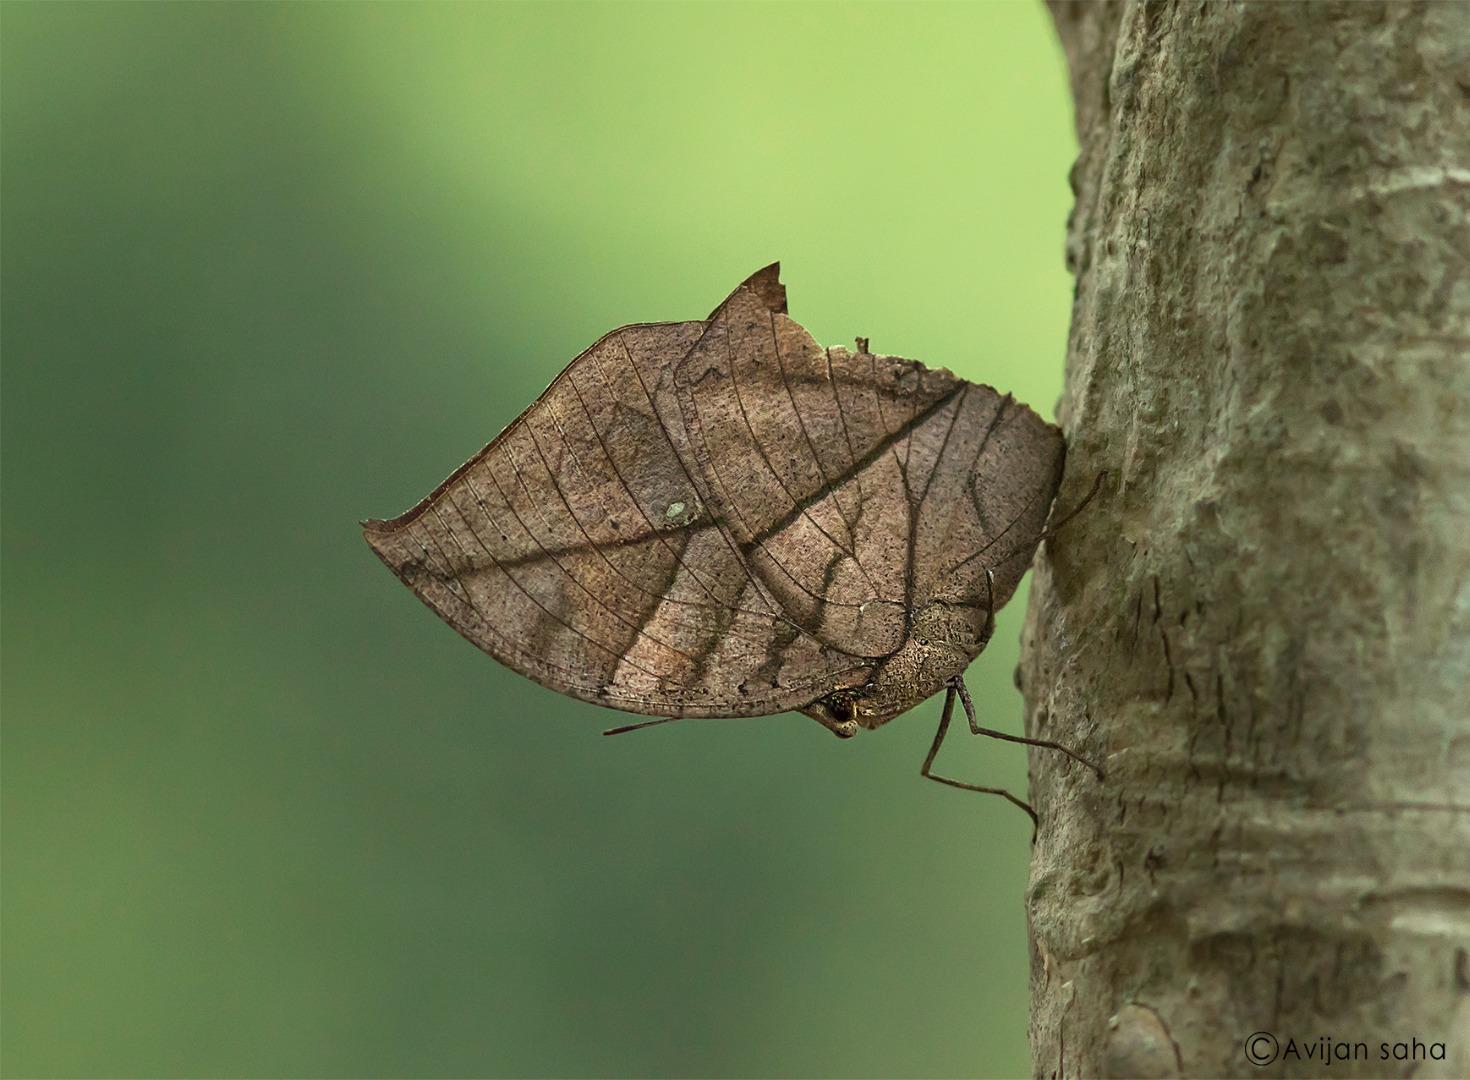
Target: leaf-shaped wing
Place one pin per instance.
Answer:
(721, 518)
(860, 487)
(577, 549)
(986, 497)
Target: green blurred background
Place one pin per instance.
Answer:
(272, 268)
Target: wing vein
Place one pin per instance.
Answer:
(597, 548)
(776, 609)
(802, 507)
(521, 480)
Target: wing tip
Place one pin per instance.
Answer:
(379, 538)
(765, 283)
(376, 533)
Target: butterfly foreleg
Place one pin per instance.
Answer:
(925, 771)
(957, 685)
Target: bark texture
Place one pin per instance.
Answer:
(1262, 625)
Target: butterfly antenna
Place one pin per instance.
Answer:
(639, 726)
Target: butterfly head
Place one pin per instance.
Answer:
(942, 640)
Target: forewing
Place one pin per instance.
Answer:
(577, 549)
(814, 458)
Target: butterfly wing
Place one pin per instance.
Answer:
(859, 487)
(721, 518)
(987, 497)
(576, 549)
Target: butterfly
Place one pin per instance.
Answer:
(722, 518)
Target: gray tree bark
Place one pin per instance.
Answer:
(1262, 623)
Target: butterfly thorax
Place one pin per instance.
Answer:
(942, 640)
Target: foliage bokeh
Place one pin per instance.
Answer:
(272, 268)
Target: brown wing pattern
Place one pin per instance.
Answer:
(576, 549)
(986, 502)
(853, 483)
(721, 518)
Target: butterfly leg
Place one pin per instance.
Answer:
(944, 719)
(957, 684)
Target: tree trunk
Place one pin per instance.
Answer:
(1262, 623)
